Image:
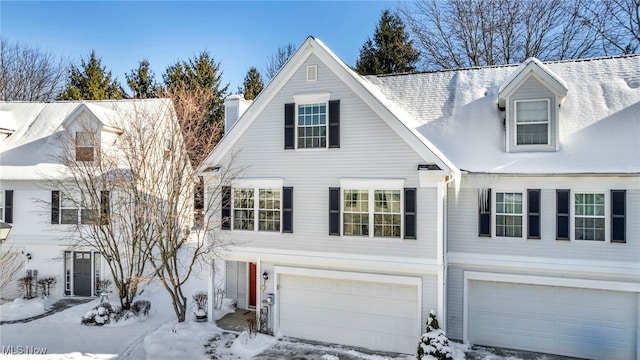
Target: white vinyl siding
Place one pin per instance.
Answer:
(261, 155)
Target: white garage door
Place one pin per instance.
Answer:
(373, 315)
(578, 322)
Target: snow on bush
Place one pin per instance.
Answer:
(106, 313)
(434, 344)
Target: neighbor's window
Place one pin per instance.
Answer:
(84, 146)
(243, 204)
(1, 205)
(589, 216)
(269, 210)
(532, 122)
(72, 212)
(509, 214)
(312, 126)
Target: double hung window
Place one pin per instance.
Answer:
(532, 122)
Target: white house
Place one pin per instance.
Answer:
(503, 198)
(34, 137)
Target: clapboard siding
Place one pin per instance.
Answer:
(368, 149)
(463, 224)
(455, 299)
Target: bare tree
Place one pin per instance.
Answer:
(11, 265)
(468, 33)
(29, 74)
(278, 59)
(617, 22)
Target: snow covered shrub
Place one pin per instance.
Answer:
(434, 344)
(26, 284)
(141, 307)
(100, 315)
(201, 300)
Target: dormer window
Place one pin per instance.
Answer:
(532, 122)
(85, 148)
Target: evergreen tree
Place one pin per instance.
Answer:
(200, 73)
(434, 343)
(91, 81)
(142, 82)
(390, 51)
(252, 84)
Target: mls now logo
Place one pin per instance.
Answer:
(23, 350)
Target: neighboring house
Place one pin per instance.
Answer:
(503, 198)
(44, 209)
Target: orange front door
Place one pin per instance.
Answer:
(252, 284)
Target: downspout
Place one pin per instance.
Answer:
(445, 240)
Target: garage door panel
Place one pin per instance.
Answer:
(369, 314)
(568, 321)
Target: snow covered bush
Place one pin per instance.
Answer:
(100, 315)
(45, 284)
(106, 313)
(434, 344)
(141, 307)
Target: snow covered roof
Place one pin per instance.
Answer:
(32, 150)
(456, 110)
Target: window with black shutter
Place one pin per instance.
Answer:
(55, 207)
(334, 211)
(105, 208)
(334, 124)
(562, 214)
(618, 212)
(226, 208)
(484, 213)
(410, 213)
(287, 209)
(289, 126)
(8, 206)
(533, 213)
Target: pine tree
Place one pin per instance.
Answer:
(434, 343)
(252, 84)
(390, 51)
(200, 73)
(142, 82)
(91, 81)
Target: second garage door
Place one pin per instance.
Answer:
(374, 315)
(569, 321)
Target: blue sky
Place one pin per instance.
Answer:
(238, 34)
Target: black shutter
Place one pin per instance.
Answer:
(105, 208)
(8, 206)
(334, 211)
(618, 212)
(289, 126)
(409, 213)
(484, 214)
(226, 208)
(562, 214)
(287, 209)
(334, 123)
(55, 207)
(533, 213)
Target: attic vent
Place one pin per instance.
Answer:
(312, 73)
(432, 167)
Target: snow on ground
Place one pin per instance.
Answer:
(158, 336)
(22, 309)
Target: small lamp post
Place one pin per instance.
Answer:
(5, 229)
